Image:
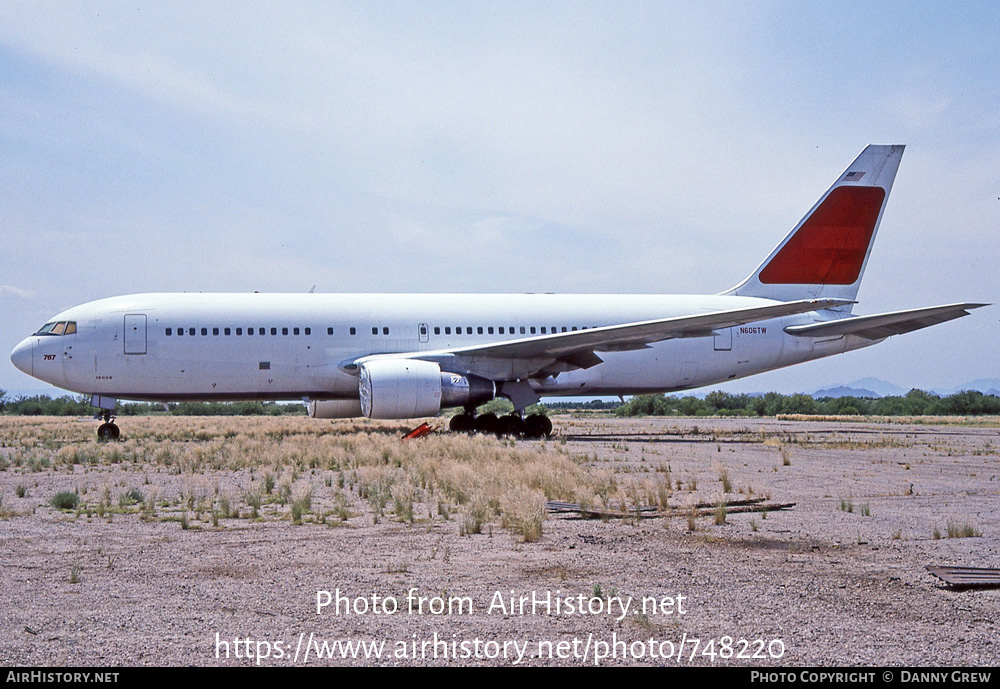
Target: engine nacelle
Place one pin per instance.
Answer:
(400, 388)
(408, 388)
(335, 409)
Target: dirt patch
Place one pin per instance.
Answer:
(167, 561)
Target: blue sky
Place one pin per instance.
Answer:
(493, 147)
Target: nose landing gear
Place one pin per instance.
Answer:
(108, 430)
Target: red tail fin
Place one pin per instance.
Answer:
(825, 254)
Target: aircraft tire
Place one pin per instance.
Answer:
(537, 426)
(462, 423)
(108, 431)
(511, 425)
(487, 424)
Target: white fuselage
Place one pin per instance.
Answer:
(129, 347)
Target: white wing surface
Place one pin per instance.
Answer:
(549, 354)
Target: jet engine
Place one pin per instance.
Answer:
(408, 388)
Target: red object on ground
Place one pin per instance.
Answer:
(419, 432)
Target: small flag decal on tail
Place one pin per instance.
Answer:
(853, 176)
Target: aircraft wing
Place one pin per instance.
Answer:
(882, 325)
(549, 354)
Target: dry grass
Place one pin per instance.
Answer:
(306, 469)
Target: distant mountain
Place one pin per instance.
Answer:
(844, 391)
(987, 386)
(879, 388)
(873, 387)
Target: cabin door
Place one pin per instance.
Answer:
(135, 333)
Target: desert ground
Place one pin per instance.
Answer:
(211, 541)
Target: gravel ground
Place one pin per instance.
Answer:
(839, 579)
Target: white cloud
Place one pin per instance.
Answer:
(9, 290)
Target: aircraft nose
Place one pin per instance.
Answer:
(21, 356)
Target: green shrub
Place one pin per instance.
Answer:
(65, 500)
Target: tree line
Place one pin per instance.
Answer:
(67, 405)
(913, 403)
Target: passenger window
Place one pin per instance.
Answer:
(479, 330)
(564, 328)
(191, 332)
(374, 331)
(329, 331)
(239, 331)
(532, 330)
(354, 331)
(385, 331)
(308, 331)
(180, 331)
(249, 331)
(501, 330)
(169, 332)
(490, 330)
(284, 331)
(274, 331)
(522, 329)
(447, 330)
(468, 330)
(227, 331)
(215, 331)
(295, 331)
(574, 328)
(423, 329)
(437, 330)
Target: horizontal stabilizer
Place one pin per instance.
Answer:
(882, 325)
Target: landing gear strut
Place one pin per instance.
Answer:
(108, 430)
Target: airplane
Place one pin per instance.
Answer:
(401, 356)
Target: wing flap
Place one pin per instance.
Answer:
(882, 325)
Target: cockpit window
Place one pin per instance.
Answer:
(58, 328)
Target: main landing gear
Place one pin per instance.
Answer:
(108, 430)
(509, 425)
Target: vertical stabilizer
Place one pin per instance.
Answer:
(826, 253)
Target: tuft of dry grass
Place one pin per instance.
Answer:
(964, 530)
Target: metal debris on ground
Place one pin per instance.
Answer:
(967, 577)
(419, 432)
(701, 509)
